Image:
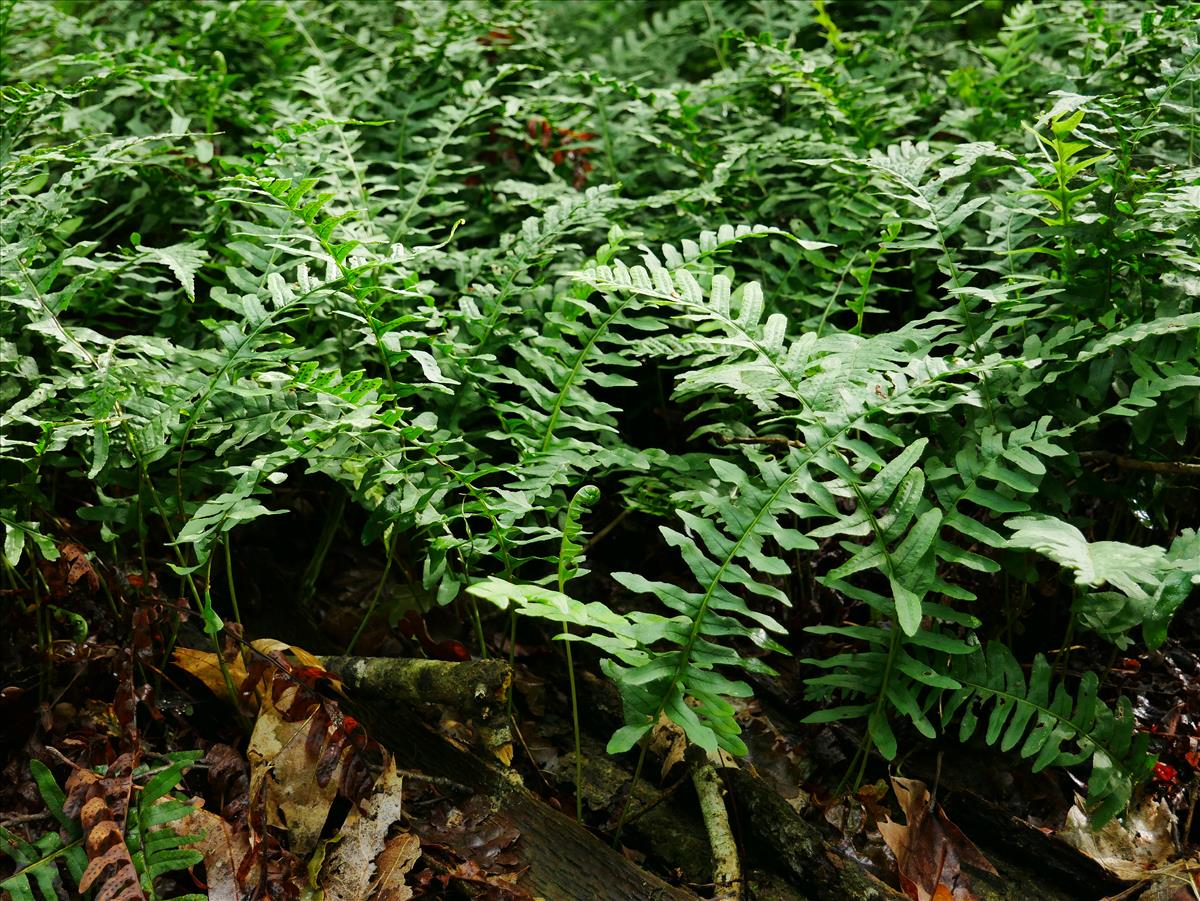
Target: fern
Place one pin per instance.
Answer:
(1152, 583)
(38, 861)
(725, 548)
(462, 260)
(155, 849)
(1028, 715)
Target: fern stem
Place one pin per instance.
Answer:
(227, 678)
(323, 60)
(637, 774)
(837, 290)
(606, 133)
(512, 656)
(16, 581)
(435, 156)
(572, 374)
(387, 568)
(478, 622)
(575, 725)
(1064, 652)
(312, 572)
(613, 523)
(39, 618)
(881, 700)
(233, 600)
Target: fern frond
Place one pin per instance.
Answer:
(1040, 722)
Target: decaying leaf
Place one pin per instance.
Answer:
(475, 831)
(282, 773)
(929, 849)
(1130, 850)
(223, 848)
(399, 856)
(353, 866)
(76, 567)
(670, 743)
(250, 681)
(1179, 881)
(271, 645)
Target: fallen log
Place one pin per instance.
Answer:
(662, 822)
(1033, 873)
(473, 686)
(564, 861)
(799, 847)
(478, 689)
(1062, 871)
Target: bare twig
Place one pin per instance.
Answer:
(608, 528)
(1162, 467)
(727, 869)
(1187, 826)
(760, 439)
(21, 818)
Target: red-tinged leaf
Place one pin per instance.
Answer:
(1164, 772)
(930, 848)
(454, 651)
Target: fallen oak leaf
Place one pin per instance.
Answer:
(398, 858)
(282, 774)
(929, 849)
(223, 849)
(353, 864)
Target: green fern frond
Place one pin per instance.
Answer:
(1029, 716)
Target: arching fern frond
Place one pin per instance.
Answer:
(1039, 721)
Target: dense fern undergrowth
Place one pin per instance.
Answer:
(876, 322)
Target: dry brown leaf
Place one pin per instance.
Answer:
(930, 848)
(399, 856)
(669, 743)
(267, 645)
(223, 850)
(205, 666)
(352, 866)
(70, 569)
(1130, 850)
(282, 773)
